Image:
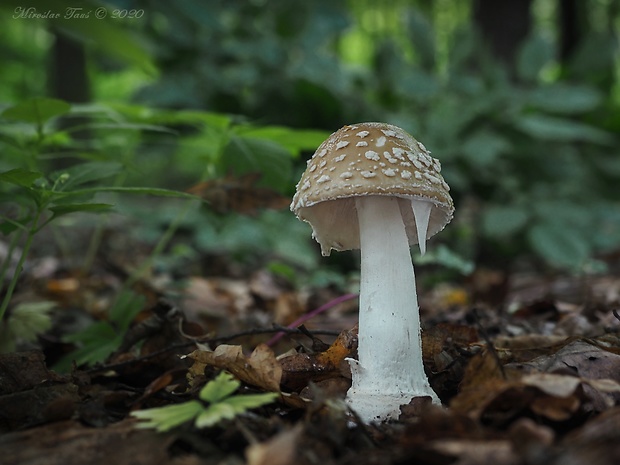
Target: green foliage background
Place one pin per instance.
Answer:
(194, 90)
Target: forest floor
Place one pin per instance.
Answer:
(527, 368)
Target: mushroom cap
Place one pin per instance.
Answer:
(368, 159)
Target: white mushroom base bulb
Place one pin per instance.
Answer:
(389, 371)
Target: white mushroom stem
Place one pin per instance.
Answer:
(389, 370)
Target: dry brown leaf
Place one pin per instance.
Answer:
(481, 384)
(604, 385)
(300, 369)
(554, 396)
(70, 442)
(528, 346)
(440, 337)
(552, 384)
(595, 443)
(583, 357)
(279, 450)
(555, 408)
(260, 369)
(466, 452)
(526, 434)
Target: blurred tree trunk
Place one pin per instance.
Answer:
(570, 27)
(68, 80)
(67, 75)
(504, 25)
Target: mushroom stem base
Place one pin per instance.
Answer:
(389, 371)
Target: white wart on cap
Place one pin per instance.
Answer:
(371, 159)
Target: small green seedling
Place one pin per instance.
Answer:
(25, 322)
(217, 404)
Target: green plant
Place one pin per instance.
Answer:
(26, 322)
(216, 403)
(97, 341)
(123, 145)
(531, 158)
(515, 146)
(32, 199)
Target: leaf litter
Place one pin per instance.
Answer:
(539, 384)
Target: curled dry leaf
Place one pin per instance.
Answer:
(260, 369)
(300, 369)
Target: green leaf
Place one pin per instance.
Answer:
(249, 155)
(215, 413)
(65, 209)
(25, 322)
(242, 403)
(165, 418)
(101, 339)
(171, 117)
(560, 129)
(37, 110)
(130, 190)
(20, 177)
(559, 245)
(294, 140)
(229, 407)
(418, 84)
(483, 147)
(97, 342)
(127, 305)
(84, 173)
(501, 221)
(127, 127)
(96, 332)
(222, 407)
(219, 388)
(8, 225)
(565, 98)
(444, 256)
(422, 37)
(536, 53)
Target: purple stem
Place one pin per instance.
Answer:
(302, 319)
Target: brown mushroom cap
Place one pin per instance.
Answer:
(368, 159)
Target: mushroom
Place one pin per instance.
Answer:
(372, 186)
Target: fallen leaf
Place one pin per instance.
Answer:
(300, 369)
(69, 442)
(260, 369)
(595, 443)
(466, 452)
(555, 408)
(584, 358)
(279, 450)
(552, 384)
